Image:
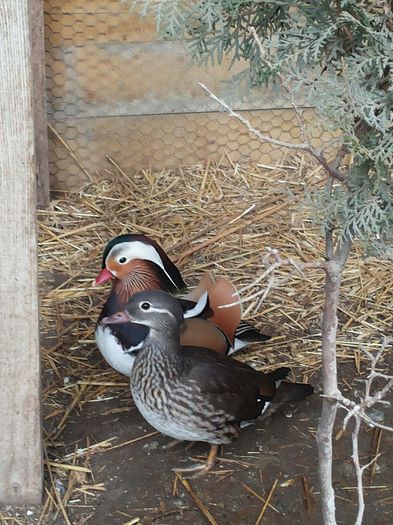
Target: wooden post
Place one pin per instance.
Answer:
(21, 471)
(39, 101)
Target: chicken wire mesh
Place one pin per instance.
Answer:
(115, 88)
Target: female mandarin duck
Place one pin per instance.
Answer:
(193, 393)
(135, 263)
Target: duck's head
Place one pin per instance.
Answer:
(137, 256)
(155, 309)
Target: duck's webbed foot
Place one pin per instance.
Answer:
(199, 469)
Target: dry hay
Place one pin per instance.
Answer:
(195, 213)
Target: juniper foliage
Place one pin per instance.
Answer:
(339, 56)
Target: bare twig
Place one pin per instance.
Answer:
(357, 411)
(359, 470)
(271, 266)
(254, 131)
(305, 146)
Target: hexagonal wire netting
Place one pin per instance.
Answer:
(114, 87)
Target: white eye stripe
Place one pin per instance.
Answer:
(139, 250)
(158, 310)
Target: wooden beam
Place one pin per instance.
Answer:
(39, 101)
(20, 423)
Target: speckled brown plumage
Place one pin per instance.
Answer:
(191, 393)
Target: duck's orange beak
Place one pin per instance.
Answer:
(104, 276)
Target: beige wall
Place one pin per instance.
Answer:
(116, 88)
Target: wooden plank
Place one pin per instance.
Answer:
(167, 141)
(98, 27)
(39, 102)
(123, 79)
(20, 428)
(86, 6)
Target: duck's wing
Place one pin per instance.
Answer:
(221, 293)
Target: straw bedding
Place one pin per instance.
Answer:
(197, 215)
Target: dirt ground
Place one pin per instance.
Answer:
(129, 480)
(141, 488)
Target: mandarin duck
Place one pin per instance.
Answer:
(135, 263)
(191, 393)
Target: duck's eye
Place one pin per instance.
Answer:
(122, 260)
(145, 306)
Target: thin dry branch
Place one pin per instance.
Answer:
(272, 261)
(368, 401)
(251, 129)
(355, 409)
(357, 412)
(71, 153)
(359, 470)
(305, 146)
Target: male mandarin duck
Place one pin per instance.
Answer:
(136, 263)
(193, 393)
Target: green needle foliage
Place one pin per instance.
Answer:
(339, 56)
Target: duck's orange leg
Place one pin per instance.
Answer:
(200, 468)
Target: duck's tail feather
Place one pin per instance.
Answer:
(245, 335)
(286, 393)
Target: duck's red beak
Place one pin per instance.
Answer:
(104, 276)
(117, 318)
